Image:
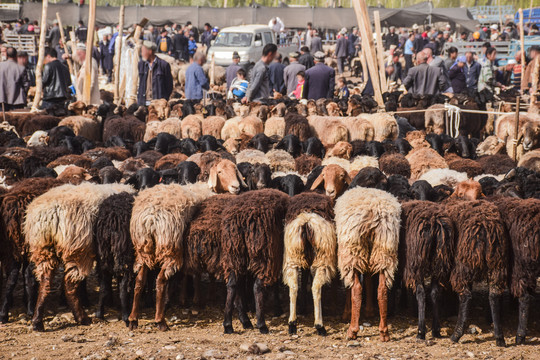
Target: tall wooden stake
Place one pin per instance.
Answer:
(516, 128)
(500, 15)
(364, 25)
(87, 91)
(131, 98)
(522, 42)
(380, 51)
(64, 45)
(212, 71)
(119, 39)
(41, 56)
(530, 12)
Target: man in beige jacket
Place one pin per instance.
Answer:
(79, 84)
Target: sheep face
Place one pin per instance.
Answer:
(342, 149)
(335, 180)
(74, 175)
(531, 135)
(468, 190)
(225, 177)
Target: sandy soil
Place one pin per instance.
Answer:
(199, 335)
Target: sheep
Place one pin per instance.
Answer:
(423, 159)
(359, 129)
(159, 108)
(395, 164)
(481, 254)
(114, 250)
(230, 129)
(304, 164)
(252, 244)
(443, 177)
(310, 243)
(313, 146)
(77, 160)
(490, 146)
(275, 126)
(468, 166)
(38, 138)
(521, 218)
(58, 227)
(291, 144)
(113, 153)
(290, 184)
(435, 117)
(225, 177)
(426, 251)
(160, 215)
(250, 126)
(384, 126)
(341, 149)
(83, 126)
(150, 157)
(128, 128)
(505, 132)
(169, 161)
(280, 160)
(109, 175)
(191, 127)
(213, 125)
(496, 164)
(367, 228)
(252, 156)
(297, 125)
(334, 179)
(328, 129)
(530, 160)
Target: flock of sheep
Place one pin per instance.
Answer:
(263, 194)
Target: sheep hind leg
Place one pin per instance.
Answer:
(137, 294)
(316, 289)
(436, 301)
(382, 297)
(356, 304)
(370, 306)
(495, 305)
(421, 299)
(7, 298)
(31, 287)
(293, 297)
(464, 305)
(43, 294)
(105, 279)
(240, 304)
(346, 315)
(123, 289)
(232, 285)
(74, 302)
(524, 302)
(258, 293)
(161, 293)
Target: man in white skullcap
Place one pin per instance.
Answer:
(79, 84)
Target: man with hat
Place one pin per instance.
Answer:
(95, 98)
(391, 38)
(232, 69)
(206, 36)
(164, 43)
(320, 80)
(54, 35)
(342, 46)
(259, 87)
(155, 78)
(291, 70)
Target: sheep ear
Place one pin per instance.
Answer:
(213, 178)
(318, 181)
(241, 178)
(87, 176)
(347, 179)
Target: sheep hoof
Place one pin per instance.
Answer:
(419, 336)
(264, 329)
(292, 328)
(133, 324)
(385, 337)
(436, 334)
(99, 315)
(126, 322)
(455, 338)
(500, 342)
(162, 326)
(520, 340)
(85, 321)
(38, 326)
(4, 319)
(351, 334)
(228, 329)
(247, 325)
(321, 330)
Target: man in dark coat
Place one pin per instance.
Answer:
(305, 58)
(232, 69)
(81, 32)
(320, 80)
(391, 38)
(54, 35)
(155, 78)
(13, 82)
(316, 42)
(206, 36)
(275, 70)
(342, 47)
(106, 56)
(424, 79)
(180, 45)
(164, 43)
(56, 80)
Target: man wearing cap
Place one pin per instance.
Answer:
(391, 38)
(320, 80)
(164, 43)
(290, 72)
(277, 26)
(487, 80)
(451, 59)
(206, 35)
(233, 69)
(196, 80)
(56, 80)
(79, 85)
(259, 87)
(13, 82)
(457, 76)
(316, 42)
(155, 79)
(342, 46)
(424, 79)
(471, 70)
(54, 35)
(306, 58)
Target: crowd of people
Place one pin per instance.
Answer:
(414, 59)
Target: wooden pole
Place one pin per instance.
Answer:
(500, 15)
(530, 12)
(119, 39)
(41, 56)
(380, 51)
(522, 43)
(212, 71)
(87, 91)
(516, 128)
(64, 45)
(364, 26)
(131, 98)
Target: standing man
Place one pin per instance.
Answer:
(487, 80)
(79, 85)
(353, 41)
(471, 70)
(196, 81)
(342, 46)
(81, 32)
(391, 38)
(290, 72)
(232, 69)
(278, 27)
(54, 35)
(408, 53)
(305, 58)
(22, 59)
(164, 43)
(56, 80)
(13, 82)
(451, 59)
(180, 45)
(206, 36)
(316, 42)
(259, 87)
(424, 79)
(106, 56)
(437, 61)
(320, 80)
(155, 79)
(307, 41)
(276, 69)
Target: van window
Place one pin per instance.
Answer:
(267, 38)
(258, 37)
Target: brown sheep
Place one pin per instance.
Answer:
(423, 159)
(112, 153)
(395, 164)
(224, 177)
(298, 125)
(304, 164)
(212, 125)
(457, 163)
(77, 160)
(169, 161)
(496, 164)
(342, 149)
(334, 179)
(192, 127)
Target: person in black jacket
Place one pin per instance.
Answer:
(180, 45)
(106, 56)
(306, 58)
(54, 35)
(81, 32)
(391, 38)
(155, 78)
(164, 43)
(457, 75)
(56, 81)
(320, 80)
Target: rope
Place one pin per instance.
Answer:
(454, 116)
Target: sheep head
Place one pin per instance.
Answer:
(335, 180)
(342, 149)
(468, 190)
(279, 110)
(74, 175)
(77, 107)
(333, 109)
(531, 135)
(225, 177)
(161, 108)
(490, 146)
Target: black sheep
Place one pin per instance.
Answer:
(291, 144)
(314, 146)
(188, 172)
(290, 184)
(261, 142)
(370, 177)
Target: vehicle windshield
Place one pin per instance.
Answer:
(233, 39)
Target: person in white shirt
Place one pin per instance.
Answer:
(277, 26)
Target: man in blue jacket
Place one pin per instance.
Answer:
(471, 70)
(155, 78)
(320, 80)
(196, 81)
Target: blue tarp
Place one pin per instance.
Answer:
(533, 18)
